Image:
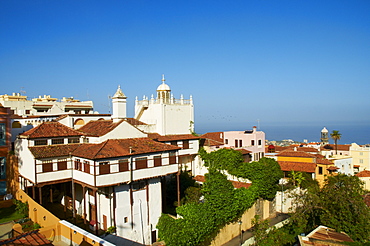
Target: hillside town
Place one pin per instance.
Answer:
(111, 179)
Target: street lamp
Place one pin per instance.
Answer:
(241, 232)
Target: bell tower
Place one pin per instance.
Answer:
(324, 136)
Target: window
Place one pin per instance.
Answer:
(2, 134)
(361, 161)
(28, 111)
(47, 166)
(259, 142)
(226, 141)
(320, 170)
(62, 164)
(140, 185)
(86, 167)
(73, 140)
(172, 158)
(57, 141)
(78, 165)
(16, 124)
(157, 161)
(2, 168)
(252, 142)
(185, 144)
(236, 143)
(104, 167)
(240, 143)
(40, 142)
(361, 153)
(141, 162)
(173, 143)
(123, 165)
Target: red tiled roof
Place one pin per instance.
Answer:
(365, 173)
(244, 151)
(292, 153)
(49, 151)
(307, 149)
(99, 128)
(297, 166)
(213, 138)
(343, 147)
(51, 129)
(108, 149)
(323, 161)
(323, 233)
(28, 238)
(333, 168)
(236, 184)
(176, 137)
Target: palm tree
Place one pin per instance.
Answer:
(335, 135)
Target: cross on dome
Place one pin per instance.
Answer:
(163, 86)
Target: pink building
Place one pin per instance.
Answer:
(251, 140)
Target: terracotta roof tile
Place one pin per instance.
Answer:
(213, 138)
(292, 153)
(50, 151)
(333, 168)
(51, 129)
(323, 161)
(99, 128)
(28, 238)
(327, 234)
(297, 166)
(108, 149)
(342, 147)
(365, 173)
(244, 151)
(166, 138)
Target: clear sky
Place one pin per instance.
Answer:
(279, 62)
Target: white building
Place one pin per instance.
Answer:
(109, 170)
(165, 114)
(45, 105)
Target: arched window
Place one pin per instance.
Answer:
(16, 124)
(79, 122)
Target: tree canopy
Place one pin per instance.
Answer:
(339, 204)
(222, 203)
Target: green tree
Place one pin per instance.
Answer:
(222, 204)
(297, 178)
(335, 135)
(339, 204)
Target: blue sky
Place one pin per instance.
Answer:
(279, 62)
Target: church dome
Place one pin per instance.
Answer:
(163, 86)
(324, 130)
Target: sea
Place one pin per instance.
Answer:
(351, 132)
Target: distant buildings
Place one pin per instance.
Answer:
(45, 105)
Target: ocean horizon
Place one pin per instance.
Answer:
(351, 133)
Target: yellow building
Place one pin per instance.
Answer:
(360, 157)
(300, 161)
